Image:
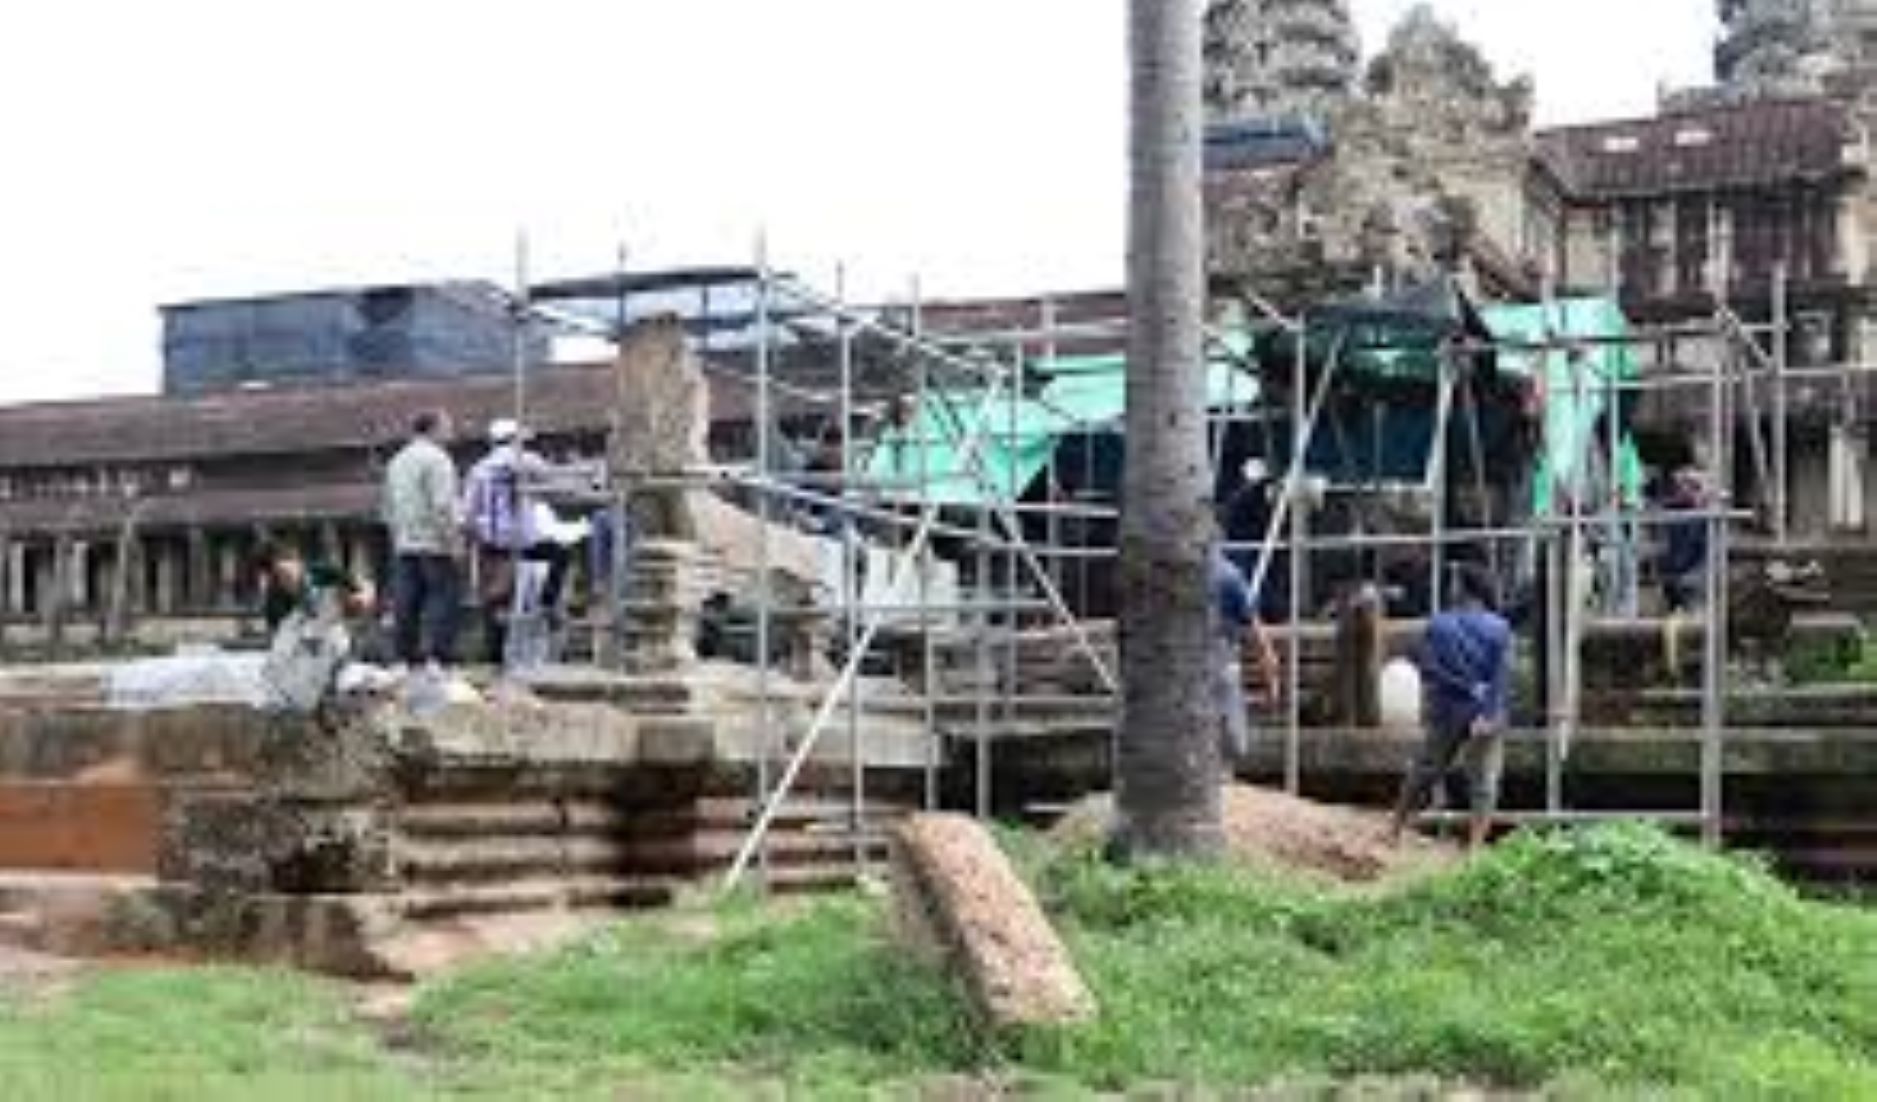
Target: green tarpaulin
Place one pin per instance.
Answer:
(1578, 387)
(1014, 439)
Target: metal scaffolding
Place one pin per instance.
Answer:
(1026, 548)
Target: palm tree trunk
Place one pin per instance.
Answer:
(1167, 759)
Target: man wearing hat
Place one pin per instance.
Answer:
(505, 527)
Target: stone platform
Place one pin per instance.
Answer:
(225, 832)
(1805, 794)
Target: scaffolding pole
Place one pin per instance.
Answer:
(765, 599)
(998, 544)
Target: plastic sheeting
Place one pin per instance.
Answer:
(1578, 389)
(193, 677)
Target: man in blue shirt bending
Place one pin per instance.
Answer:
(1235, 622)
(1466, 665)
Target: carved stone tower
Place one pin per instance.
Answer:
(1796, 47)
(1278, 57)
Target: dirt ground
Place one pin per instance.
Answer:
(1272, 831)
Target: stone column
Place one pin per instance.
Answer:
(8, 580)
(168, 566)
(227, 577)
(79, 576)
(661, 421)
(196, 570)
(16, 577)
(46, 572)
(104, 595)
(688, 543)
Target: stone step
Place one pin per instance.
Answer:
(77, 914)
(22, 930)
(709, 852)
(476, 820)
(442, 902)
(740, 812)
(510, 857)
(538, 894)
(784, 880)
(489, 860)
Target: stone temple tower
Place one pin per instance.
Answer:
(1796, 47)
(1278, 57)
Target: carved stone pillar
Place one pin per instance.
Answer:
(668, 593)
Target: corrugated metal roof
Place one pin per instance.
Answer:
(1722, 148)
(301, 420)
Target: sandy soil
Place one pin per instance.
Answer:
(1272, 831)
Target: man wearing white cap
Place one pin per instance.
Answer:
(503, 525)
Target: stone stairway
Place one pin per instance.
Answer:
(460, 857)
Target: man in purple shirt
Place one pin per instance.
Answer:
(1466, 665)
(503, 526)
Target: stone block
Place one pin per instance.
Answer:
(959, 900)
(344, 935)
(100, 827)
(245, 842)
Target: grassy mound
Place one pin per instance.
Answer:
(818, 997)
(1617, 957)
(1613, 960)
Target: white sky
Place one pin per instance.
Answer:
(164, 151)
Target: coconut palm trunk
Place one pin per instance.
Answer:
(1167, 757)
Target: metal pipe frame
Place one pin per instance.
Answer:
(754, 842)
(1007, 539)
(765, 445)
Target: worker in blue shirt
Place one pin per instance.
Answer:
(1685, 544)
(1235, 620)
(1466, 665)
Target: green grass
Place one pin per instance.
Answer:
(1617, 956)
(1616, 961)
(1832, 663)
(820, 999)
(199, 1034)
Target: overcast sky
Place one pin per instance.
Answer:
(165, 151)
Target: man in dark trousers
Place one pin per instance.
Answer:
(1235, 622)
(506, 528)
(420, 513)
(1466, 669)
(1685, 544)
